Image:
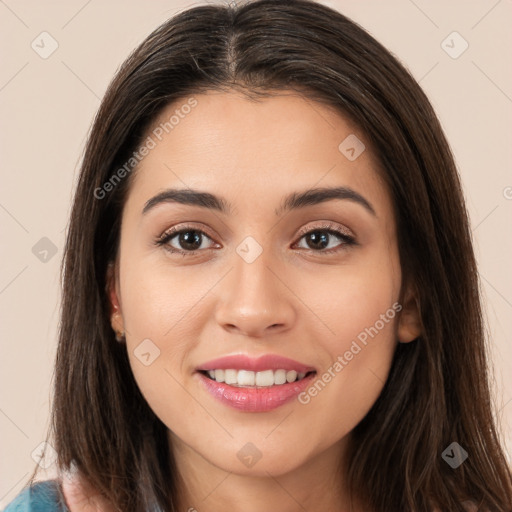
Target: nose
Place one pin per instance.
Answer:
(254, 299)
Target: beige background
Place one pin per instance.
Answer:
(46, 108)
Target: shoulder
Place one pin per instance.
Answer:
(81, 496)
(39, 497)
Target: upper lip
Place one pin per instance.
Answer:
(265, 362)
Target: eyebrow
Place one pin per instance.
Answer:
(293, 201)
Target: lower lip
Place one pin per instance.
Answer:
(255, 399)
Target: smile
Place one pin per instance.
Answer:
(254, 385)
(248, 378)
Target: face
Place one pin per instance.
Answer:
(259, 277)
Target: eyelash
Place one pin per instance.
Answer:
(164, 239)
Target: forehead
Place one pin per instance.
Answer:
(230, 145)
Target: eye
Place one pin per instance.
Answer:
(188, 240)
(319, 239)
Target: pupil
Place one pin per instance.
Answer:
(319, 238)
(185, 239)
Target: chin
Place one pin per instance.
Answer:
(260, 457)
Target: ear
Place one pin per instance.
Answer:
(112, 289)
(409, 323)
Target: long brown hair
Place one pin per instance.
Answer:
(438, 387)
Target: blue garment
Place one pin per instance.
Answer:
(40, 497)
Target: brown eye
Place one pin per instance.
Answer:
(186, 240)
(323, 239)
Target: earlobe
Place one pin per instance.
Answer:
(116, 316)
(409, 324)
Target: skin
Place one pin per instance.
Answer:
(293, 300)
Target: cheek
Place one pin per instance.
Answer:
(161, 303)
(158, 311)
(360, 310)
(349, 300)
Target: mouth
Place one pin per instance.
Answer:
(255, 385)
(251, 379)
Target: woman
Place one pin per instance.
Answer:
(270, 294)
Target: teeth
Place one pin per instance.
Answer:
(279, 376)
(265, 378)
(291, 376)
(230, 376)
(247, 378)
